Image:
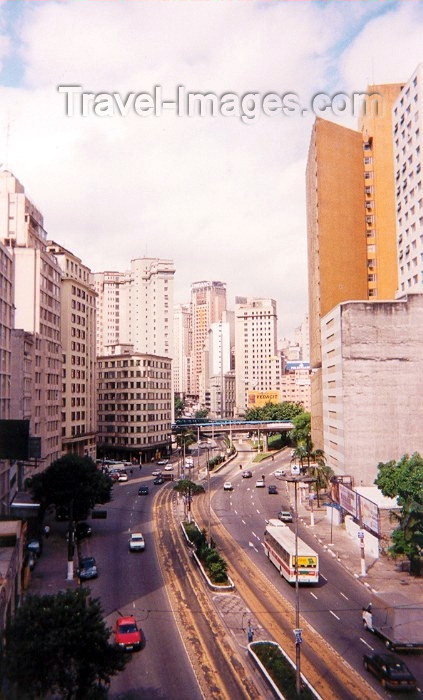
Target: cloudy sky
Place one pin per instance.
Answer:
(222, 196)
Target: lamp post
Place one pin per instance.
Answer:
(297, 631)
(206, 447)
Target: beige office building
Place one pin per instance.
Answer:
(36, 297)
(182, 350)
(257, 364)
(134, 404)
(78, 329)
(208, 302)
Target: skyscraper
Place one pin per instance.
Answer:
(208, 301)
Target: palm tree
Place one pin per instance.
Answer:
(320, 471)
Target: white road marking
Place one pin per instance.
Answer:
(332, 613)
(321, 576)
(236, 512)
(256, 536)
(314, 596)
(258, 511)
(367, 645)
(252, 545)
(344, 596)
(243, 522)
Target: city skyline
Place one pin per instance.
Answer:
(224, 199)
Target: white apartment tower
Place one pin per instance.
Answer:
(408, 155)
(136, 307)
(208, 302)
(36, 297)
(182, 349)
(256, 362)
(78, 328)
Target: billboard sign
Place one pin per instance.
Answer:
(258, 399)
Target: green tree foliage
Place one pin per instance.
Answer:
(60, 644)
(179, 406)
(71, 480)
(202, 413)
(301, 434)
(188, 487)
(271, 411)
(404, 480)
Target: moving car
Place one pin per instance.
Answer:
(87, 568)
(156, 472)
(143, 491)
(247, 474)
(162, 462)
(158, 480)
(168, 467)
(136, 542)
(260, 484)
(285, 516)
(122, 476)
(272, 488)
(127, 633)
(227, 486)
(392, 672)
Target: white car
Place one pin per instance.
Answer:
(280, 472)
(168, 468)
(137, 542)
(227, 486)
(157, 472)
(123, 476)
(162, 462)
(260, 484)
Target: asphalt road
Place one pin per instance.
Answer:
(131, 583)
(333, 607)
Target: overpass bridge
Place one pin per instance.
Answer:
(212, 427)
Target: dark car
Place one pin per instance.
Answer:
(272, 488)
(87, 568)
(82, 530)
(158, 480)
(143, 491)
(392, 672)
(247, 474)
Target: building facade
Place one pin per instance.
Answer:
(182, 350)
(296, 384)
(208, 302)
(372, 355)
(257, 365)
(36, 298)
(78, 337)
(134, 404)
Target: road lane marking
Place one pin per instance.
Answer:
(252, 545)
(344, 596)
(323, 577)
(256, 536)
(258, 511)
(332, 613)
(314, 596)
(243, 522)
(236, 512)
(367, 645)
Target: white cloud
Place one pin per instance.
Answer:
(223, 199)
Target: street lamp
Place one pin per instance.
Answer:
(206, 447)
(297, 631)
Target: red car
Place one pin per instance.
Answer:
(128, 636)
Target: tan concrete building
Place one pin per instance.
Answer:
(36, 297)
(208, 302)
(78, 335)
(257, 364)
(134, 404)
(182, 350)
(296, 384)
(372, 358)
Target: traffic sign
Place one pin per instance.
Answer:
(360, 535)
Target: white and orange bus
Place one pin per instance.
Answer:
(279, 546)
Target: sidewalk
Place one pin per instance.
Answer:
(49, 575)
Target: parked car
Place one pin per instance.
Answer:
(143, 491)
(285, 516)
(260, 484)
(227, 486)
(168, 467)
(247, 474)
(162, 462)
(136, 542)
(82, 530)
(128, 636)
(272, 488)
(122, 476)
(87, 568)
(156, 472)
(392, 672)
(158, 480)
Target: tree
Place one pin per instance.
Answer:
(271, 411)
(404, 480)
(301, 434)
(188, 489)
(179, 406)
(71, 481)
(201, 413)
(60, 644)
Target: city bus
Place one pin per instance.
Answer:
(279, 546)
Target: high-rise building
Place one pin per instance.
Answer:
(182, 350)
(78, 330)
(136, 307)
(208, 301)
(408, 167)
(6, 325)
(257, 365)
(350, 222)
(36, 298)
